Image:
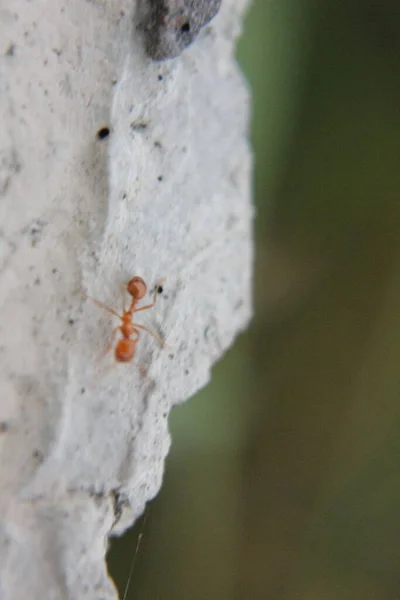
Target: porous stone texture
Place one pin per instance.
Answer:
(172, 25)
(166, 196)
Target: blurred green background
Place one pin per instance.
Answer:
(283, 481)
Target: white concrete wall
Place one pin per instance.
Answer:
(165, 195)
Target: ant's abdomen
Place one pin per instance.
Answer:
(125, 350)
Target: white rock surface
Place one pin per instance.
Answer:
(166, 195)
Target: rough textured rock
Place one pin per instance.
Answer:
(166, 194)
(170, 26)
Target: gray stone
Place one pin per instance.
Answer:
(172, 25)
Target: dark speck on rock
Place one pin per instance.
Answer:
(10, 50)
(38, 455)
(139, 125)
(103, 133)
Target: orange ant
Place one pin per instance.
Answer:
(126, 347)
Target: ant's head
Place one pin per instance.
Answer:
(136, 287)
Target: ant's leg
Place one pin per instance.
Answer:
(155, 335)
(149, 305)
(99, 377)
(110, 342)
(101, 356)
(108, 345)
(101, 305)
(143, 307)
(123, 292)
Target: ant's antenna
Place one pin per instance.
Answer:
(139, 539)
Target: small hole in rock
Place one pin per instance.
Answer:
(185, 28)
(103, 133)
